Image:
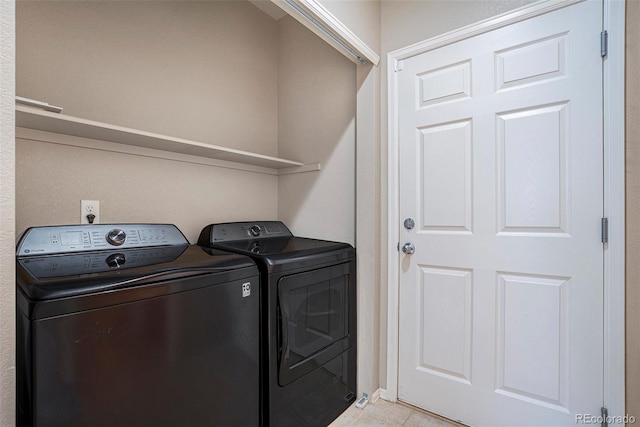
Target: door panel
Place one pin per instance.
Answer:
(445, 300)
(531, 361)
(532, 169)
(500, 137)
(445, 157)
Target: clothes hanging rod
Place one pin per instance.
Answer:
(38, 104)
(327, 32)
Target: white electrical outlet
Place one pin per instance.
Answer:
(89, 207)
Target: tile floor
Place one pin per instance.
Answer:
(387, 414)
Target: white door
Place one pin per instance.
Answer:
(501, 168)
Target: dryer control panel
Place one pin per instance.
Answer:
(80, 238)
(234, 231)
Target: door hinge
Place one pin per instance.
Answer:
(604, 233)
(399, 66)
(605, 417)
(604, 43)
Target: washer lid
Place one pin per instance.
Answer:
(289, 247)
(289, 253)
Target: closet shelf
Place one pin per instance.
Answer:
(33, 118)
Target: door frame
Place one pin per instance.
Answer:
(614, 187)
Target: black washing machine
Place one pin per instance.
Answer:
(129, 325)
(308, 293)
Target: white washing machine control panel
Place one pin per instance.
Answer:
(93, 237)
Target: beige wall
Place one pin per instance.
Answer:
(219, 72)
(205, 71)
(7, 215)
(316, 111)
(52, 179)
(408, 22)
(360, 17)
(632, 141)
(369, 228)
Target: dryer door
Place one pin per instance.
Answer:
(315, 321)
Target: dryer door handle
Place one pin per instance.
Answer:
(283, 350)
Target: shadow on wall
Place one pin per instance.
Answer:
(316, 123)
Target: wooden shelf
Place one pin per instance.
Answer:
(33, 118)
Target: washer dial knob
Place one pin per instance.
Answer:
(115, 260)
(116, 237)
(255, 230)
(255, 247)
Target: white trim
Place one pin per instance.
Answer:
(614, 356)
(325, 25)
(375, 396)
(393, 239)
(517, 15)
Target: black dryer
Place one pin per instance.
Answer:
(308, 320)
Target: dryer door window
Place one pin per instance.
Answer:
(313, 319)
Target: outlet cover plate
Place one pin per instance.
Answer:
(89, 207)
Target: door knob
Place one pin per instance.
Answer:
(408, 248)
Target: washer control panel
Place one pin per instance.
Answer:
(80, 238)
